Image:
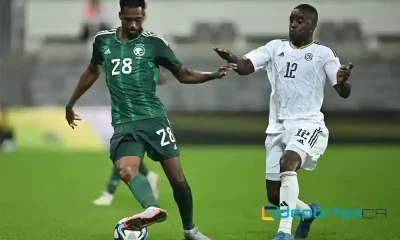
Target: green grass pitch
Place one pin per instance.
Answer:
(47, 195)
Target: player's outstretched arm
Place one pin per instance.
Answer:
(244, 66)
(88, 77)
(189, 76)
(166, 58)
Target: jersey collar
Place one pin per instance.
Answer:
(117, 35)
(302, 47)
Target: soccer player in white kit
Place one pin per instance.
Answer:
(298, 70)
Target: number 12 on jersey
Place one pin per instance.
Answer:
(290, 69)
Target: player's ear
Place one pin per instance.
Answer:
(119, 15)
(144, 15)
(314, 26)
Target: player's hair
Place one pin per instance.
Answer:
(310, 9)
(132, 4)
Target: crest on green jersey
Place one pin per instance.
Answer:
(139, 50)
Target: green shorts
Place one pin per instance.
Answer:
(154, 136)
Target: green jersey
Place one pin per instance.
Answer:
(131, 70)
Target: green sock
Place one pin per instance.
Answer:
(143, 169)
(140, 187)
(114, 181)
(183, 197)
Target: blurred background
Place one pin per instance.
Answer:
(54, 173)
(45, 45)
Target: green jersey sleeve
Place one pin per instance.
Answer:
(165, 57)
(97, 57)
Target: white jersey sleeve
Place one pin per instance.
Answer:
(331, 65)
(260, 57)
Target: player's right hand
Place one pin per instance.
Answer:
(71, 117)
(221, 72)
(343, 74)
(223, 53)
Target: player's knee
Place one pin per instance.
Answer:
(127, 174)
(290, 161)
(128, 168)
(178, 182)
(174, 172)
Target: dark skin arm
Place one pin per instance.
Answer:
(88, 77)
(244, 66)
(343, 88)
(189, 76)
(92, 73)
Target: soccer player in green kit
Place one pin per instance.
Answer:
(107, 197)
(131, 57)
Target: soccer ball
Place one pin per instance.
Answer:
(121, 233)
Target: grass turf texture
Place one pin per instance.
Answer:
(48, 195)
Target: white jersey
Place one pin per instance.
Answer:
(297, 78)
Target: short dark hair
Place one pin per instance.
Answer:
(310, 9)
(132, 4)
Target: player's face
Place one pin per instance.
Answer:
(131, 20)
(301, 26)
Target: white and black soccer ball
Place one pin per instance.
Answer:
(122, 233)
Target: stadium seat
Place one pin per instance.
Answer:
(328, 32)
(226, 32)
(204, 33)
(351, 30)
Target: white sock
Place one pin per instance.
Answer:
(288, 196)
(303, 207)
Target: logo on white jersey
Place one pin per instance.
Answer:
(308, 57)
(139, 51)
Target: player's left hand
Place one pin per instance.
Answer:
(71, 117)
(223, 53)
(222, 71)
(343, 74)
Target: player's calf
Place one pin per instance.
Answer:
(273, 188)
(181, 190)
(138, 184)
(290, 162)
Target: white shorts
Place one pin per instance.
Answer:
(308, 140)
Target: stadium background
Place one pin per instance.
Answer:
(44, 49)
